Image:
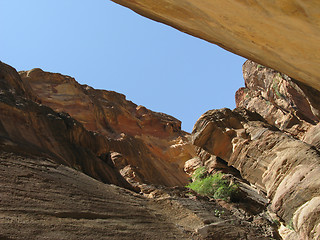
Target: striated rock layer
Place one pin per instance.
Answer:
(285, 168)
(282, 101)
(272, 138)
(145, 146)
(41, 199)
(283, 34)
(53, 169)
(28, 127)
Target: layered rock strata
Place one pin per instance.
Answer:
(285, 168)
(41, 199)
(53, 168)
(30, 128)
(285, 103)
(145, 146)
(283, 35)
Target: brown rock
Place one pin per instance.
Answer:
(279, 99)
(312, 136)
(151, 143)
(41, 199)
(191, 165)
(30, 128)
(272, 33)
(284, 167)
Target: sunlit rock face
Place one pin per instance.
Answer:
(272, 138)
(282, 101)
(30, 128)
(145, 146)
(285, 168)
(283, 35)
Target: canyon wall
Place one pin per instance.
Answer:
(64, 147)
(270, 139)
(97, 132)
(283, 35)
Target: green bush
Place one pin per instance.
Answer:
(215, 186)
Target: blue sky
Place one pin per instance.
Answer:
(107, 46)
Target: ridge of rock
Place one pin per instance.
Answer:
(145, 146)
(30, 128)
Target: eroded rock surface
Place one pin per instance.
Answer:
(145, 146)
(41, 199)
(282, 101)
(283, 35)
(29, 127)
(285, 168)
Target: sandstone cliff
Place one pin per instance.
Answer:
(281, 100)
(28, 127)
(54, 165)
(270, 139)
(283, 35)
(145, 146)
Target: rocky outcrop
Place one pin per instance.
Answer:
(285, 168)
(282, 101)
(283, 35)
(30, 128)
(145, 146)
(272, 139)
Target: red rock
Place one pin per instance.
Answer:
(152, 143)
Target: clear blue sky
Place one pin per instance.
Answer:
(107, 46)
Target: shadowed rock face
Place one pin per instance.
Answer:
(41, 199)
(283, 35)
(145, 146)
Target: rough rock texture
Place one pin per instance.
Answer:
(283, 35)
(34, 129)
(282, 101)
(41, 199)
(285, 168)
(145, 146)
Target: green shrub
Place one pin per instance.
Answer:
(215, 186)
(290, 225)
(199, 173)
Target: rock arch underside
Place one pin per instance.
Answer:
(81, 163)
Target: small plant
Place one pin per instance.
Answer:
(260, 66)
(276, 88)
(276, 222)
(290, 225)
(218, 213)
(215, 186)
